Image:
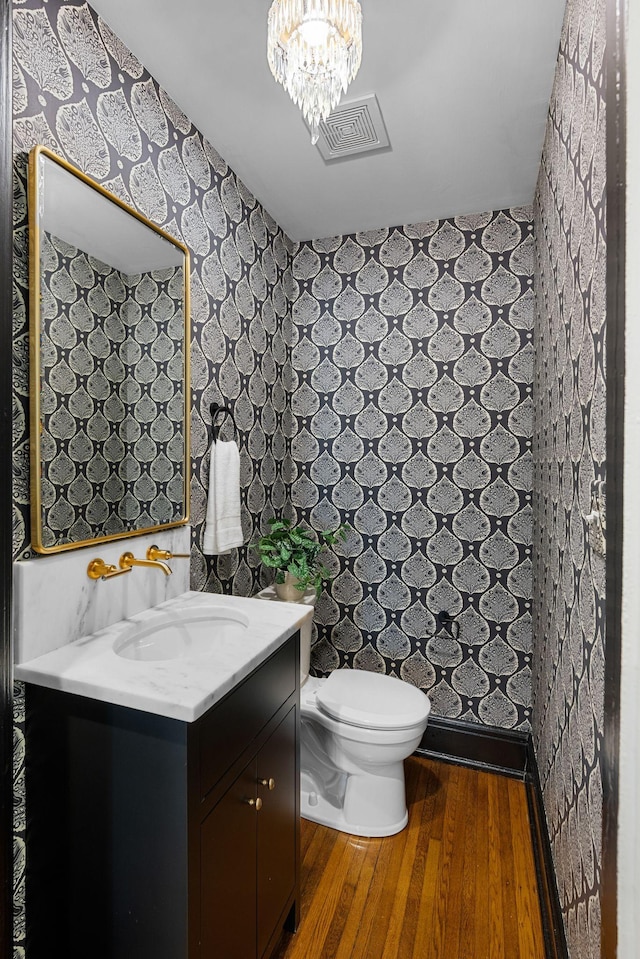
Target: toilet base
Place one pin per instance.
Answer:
(314, 807)
(351, 775)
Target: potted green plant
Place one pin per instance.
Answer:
(293, 553)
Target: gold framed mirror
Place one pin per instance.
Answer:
(109, 364)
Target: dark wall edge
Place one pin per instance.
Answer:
(552, 921)
(496, 750)
(615, 358)
(6, 525)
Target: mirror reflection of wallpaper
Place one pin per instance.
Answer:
(112, 398)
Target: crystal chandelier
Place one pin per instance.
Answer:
(314, 48)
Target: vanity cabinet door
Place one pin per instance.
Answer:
(277, 828)
(248, 853)
(228, 873)
(277, 824)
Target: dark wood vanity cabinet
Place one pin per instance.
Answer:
(151, 838)
(259, 871)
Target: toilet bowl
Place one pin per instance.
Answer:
(357, 730)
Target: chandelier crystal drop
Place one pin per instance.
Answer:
(314, 49)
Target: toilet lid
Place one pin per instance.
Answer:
(376, 701)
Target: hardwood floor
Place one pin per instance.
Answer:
(458, 883)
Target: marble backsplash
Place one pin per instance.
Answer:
(56, 603)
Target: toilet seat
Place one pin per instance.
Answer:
(371, 700)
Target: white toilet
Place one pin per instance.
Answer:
(357, 729)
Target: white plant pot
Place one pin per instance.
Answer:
(287, 591)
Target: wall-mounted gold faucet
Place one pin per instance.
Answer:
(98, 569)
(127, 560)
(155, 553)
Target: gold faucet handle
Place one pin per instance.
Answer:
(128, 560)
(154, 553)
(98, 569)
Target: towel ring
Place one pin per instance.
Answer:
(216, 411)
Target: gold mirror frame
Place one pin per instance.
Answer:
(35, 204)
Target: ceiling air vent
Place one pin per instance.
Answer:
(354, 127)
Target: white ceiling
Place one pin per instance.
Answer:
(463, 85)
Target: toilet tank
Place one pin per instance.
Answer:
(308, 599)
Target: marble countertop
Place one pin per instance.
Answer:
(179, 688)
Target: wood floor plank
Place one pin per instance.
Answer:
(314, 860)
(342, 918)
(495, 915)
(480, 877)
(468, 893)
(509, 904)
(360, 902)
(440, 773)
(530, 937)
(311, 935)
(375, 923)
(458, 883)
(423, 937)
(444, 928)
(421, 808)
(401, 890)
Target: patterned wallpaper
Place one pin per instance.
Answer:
(413, 358)
(112, 363)
(79, 91)
(569, 455)
(385, 378)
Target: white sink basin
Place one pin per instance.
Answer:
(182, 634)
(176, 659)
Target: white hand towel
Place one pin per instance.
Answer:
(223, 527)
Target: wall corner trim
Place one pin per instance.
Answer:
(552, 922)
(502, 751)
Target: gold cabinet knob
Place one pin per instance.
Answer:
(255, 802)
(269, 783)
